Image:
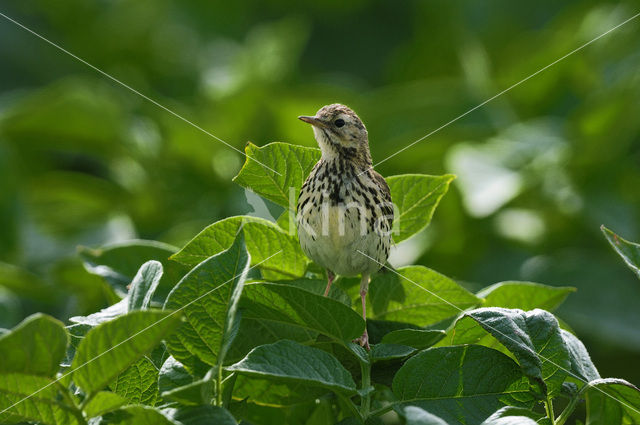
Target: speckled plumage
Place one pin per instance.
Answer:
(344, 213)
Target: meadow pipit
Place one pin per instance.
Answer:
(344, 213)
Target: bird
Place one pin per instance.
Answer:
(344, 213)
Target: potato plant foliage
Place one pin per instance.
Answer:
(233, 328)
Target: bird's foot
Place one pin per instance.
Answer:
(363, 341)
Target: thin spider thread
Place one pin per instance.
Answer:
(111, 77)
(134, 335)
(500, 332)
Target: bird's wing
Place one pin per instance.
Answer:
(387, 208)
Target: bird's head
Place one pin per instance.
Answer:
(340, 133)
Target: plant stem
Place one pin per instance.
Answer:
(351, 406)
(365, 403)
(86, 400)
(219, 386)
(228, 383)
(75, 409)
(549, 406)
(567, 410)
(382, 410)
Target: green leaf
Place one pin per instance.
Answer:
(110, 348)
(416, 338)
(294, 163)
(106, 314)
(175, 383)
(581, 364)
(144, 284)
(286, 223)
(118, 263)
(417, 416)
(288, 361)
(103, 402)
(466, 330)
(417, 295)
(268, 245)
(194, 393)
(513, 416)
(32, 398)
(317, 286)
(173, 375)
(416, 197)
(524, 295)
(253, 331)
(138, 384)
(204, 414)
(469, 382)
(140, 415)
(381, 352)
(295, 306)
(274, 393)
(533, 338)
(629, 251)
(613, 402)
(209, 295)
(35, 346)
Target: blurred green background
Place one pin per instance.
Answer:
(84, 161)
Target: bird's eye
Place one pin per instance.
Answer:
(339, 122)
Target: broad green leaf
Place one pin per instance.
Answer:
(288, 361)
(208, 296)
(294, 163)
(295, 306)
(469, 382)
(110, 348)
(581, 365)
(138, 384)
(381, 352)
(416, 338)
(106, 314)
(175, 383)
(514, 416)
(377, 329)
(286, 223)
(318, 286)
(205, 414)
(267, 244)
(254, 331)
(140, 415)
(465, 330)
(524, 295)
(417, 416)
(35, 346)
(118, 263)
(32, 398)
(629, 251)
(416, 197)
(192, 394)
(323, 414)
(103, 402)
(173, 375)
(144, 284)
(274, 393)
(417, 295)
(534, 339)
(612, 402)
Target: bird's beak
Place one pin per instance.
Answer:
(312, 120)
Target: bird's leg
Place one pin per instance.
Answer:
(364, 287)
(330, 277)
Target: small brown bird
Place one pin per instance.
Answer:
(344, 213)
